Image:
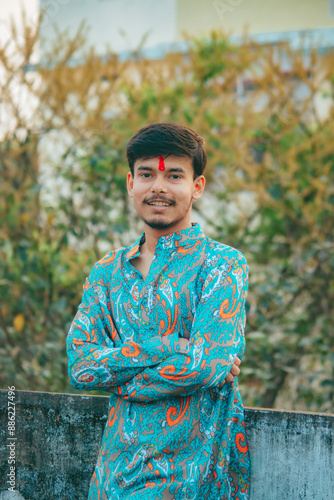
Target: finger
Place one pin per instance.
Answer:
(183, 344)
(229, 378)
(235, 371)
(237, 361)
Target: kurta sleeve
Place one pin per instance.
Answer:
(93, 360)
(216, 338)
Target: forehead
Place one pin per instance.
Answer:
(171, 162)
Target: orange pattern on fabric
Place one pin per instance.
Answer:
(173, 410)
(238, 438)
(170, 369)
(170, 327)
(226, 313)
(126, 351)
(113, 412)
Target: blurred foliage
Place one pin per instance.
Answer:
(269, 138)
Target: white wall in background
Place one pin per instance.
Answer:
(118, 23)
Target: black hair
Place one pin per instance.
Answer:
(165, 139)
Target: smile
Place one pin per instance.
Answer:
(159, 204)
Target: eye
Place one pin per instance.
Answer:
(177, 176)
(144, 175)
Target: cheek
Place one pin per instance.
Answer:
(139, 192)
(183, 196)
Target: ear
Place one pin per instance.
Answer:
(129, 184)
(199, 185)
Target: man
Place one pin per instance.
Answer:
(161, 327)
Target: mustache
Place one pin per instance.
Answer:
(167, 200)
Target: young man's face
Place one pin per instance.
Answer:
(174, 186)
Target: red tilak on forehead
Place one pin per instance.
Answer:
(161, 163)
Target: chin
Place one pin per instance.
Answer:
(157, 224)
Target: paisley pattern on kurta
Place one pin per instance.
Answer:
(174, 430)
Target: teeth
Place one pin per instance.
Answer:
(159, 204)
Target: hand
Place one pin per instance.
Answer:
(183, 343)
(234, 372)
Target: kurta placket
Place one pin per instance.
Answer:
(174, 430)
(144, 300)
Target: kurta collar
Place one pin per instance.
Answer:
(173, 240)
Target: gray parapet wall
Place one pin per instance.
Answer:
(59, 435)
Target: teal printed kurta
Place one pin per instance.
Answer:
(174, 431)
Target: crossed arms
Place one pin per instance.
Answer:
(163, 366)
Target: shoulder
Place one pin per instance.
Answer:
(104, 268)
(217, 254)
(223, 265)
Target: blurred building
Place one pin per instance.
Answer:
(122, 24)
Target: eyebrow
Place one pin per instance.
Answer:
(170, 169)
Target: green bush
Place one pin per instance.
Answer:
(269, 194)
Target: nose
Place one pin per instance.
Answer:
(158, 186)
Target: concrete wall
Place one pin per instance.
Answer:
(58, 439)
